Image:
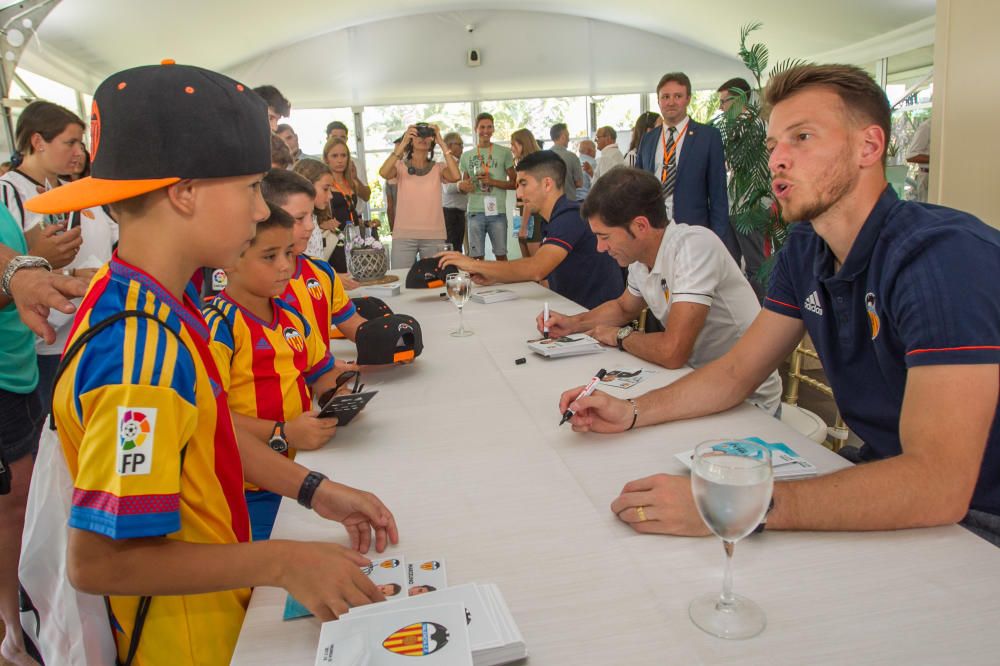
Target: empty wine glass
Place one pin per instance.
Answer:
(731, 480)
(459, 289)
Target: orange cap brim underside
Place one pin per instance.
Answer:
(89, 192)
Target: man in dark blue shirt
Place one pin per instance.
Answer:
(903, 304)
(568, 257)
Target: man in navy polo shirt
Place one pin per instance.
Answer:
(568, 257)
(903, 305)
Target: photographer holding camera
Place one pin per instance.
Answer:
(419, 225)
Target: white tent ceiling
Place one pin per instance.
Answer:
(335, 53)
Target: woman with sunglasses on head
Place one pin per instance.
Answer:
(419, 226)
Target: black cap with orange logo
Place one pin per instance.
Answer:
(155, 125)
(425, 274)
(395, 338)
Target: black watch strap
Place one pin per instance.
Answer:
(278, 441)
(763, 524)
(308, 488)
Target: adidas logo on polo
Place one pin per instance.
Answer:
(813, 305)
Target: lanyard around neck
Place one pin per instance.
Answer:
(480, 155)
(677, 140)
(347, 194)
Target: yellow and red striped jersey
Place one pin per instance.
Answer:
(148, 438)
(316, 292)
(266, 366)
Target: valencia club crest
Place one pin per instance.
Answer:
(872, 314)
(417, 640)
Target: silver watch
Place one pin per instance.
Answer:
(16, 264)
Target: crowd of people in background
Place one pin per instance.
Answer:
(615, 232)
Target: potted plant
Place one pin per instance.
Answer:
(744, 134)
(895, 170)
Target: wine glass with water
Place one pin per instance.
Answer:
(731, 480)
(459, 289)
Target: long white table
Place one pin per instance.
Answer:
(463, 447)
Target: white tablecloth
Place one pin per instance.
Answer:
(464, 448)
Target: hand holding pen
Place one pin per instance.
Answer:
(587, 390)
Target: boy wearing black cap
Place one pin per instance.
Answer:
(158, 505)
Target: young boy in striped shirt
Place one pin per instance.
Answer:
(271, 360)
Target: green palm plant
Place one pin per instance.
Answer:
(744, 134)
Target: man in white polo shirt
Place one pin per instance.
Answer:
(683, 273)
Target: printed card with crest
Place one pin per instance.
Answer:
(425, 576)
(389, 575)
(437, 634)
(483, 623)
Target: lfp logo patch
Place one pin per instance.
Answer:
(315, 289)
(136, 433)
(219, 279)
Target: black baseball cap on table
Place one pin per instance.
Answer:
(370, 307)
(391, 339)
(155, 125)
(425, 274)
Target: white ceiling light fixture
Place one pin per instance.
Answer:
(14, 37)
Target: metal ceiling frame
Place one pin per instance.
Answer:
(18, 25)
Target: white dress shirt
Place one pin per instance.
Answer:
(611, 157)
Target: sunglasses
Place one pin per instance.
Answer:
(344, 378)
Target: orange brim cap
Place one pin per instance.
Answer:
(90, 192)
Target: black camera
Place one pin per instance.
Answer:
(424, 130)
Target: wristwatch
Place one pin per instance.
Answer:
(308, 488)
(16, 264)
(623, 333)
(278, 442)
(763, 523)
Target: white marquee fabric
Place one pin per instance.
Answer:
(326, 53)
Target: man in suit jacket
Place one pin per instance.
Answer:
(693, 174)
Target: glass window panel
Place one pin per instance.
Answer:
(617, 111)
(385, 124)
(310, 126)
(537, 115)
(49, 90)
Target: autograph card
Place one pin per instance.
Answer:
(425, 576)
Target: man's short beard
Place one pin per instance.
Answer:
(839, 183)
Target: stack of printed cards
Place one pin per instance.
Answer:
(394, 577)
(568, 345)
(437, 634)
(492, 634)
(493, 295)
(785, 462)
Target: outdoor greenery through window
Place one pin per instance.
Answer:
(538, 115)
(618, 111)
